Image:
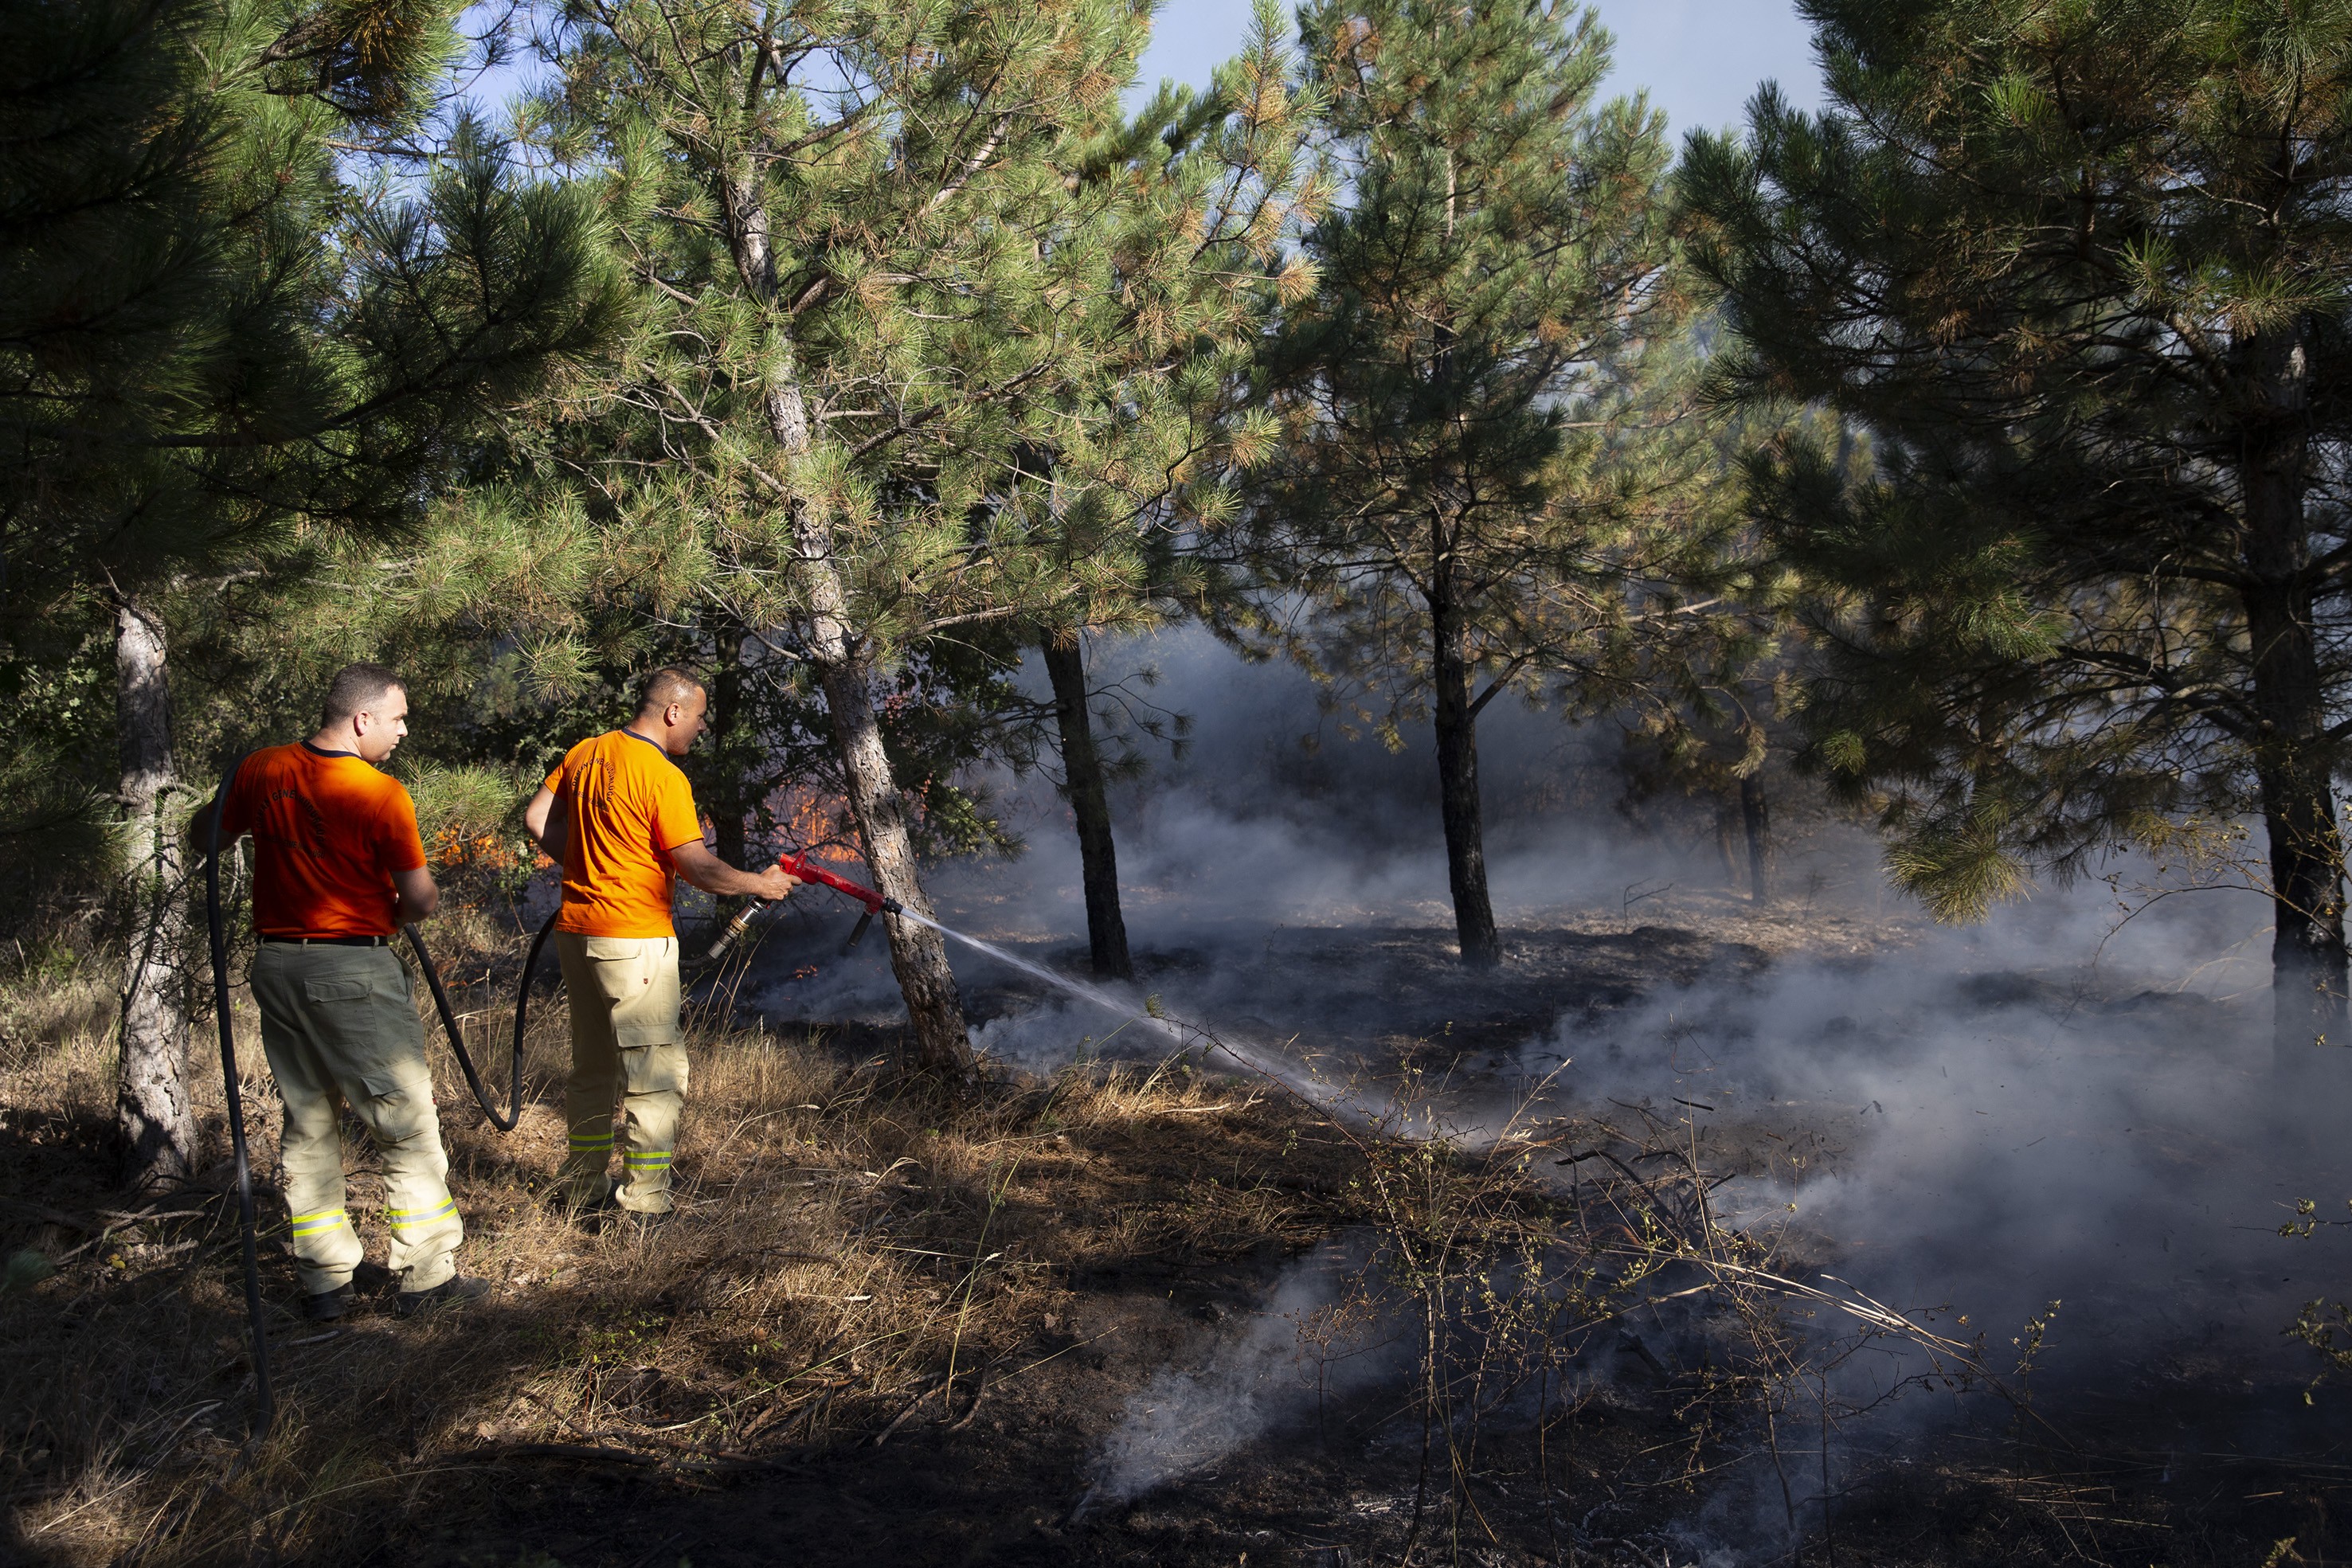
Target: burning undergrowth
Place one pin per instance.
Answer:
(1850, 1224)
(1846, 1201)
(1495, 1316)
(1430, 1267)
(1475, 1335)
(1983, 1143)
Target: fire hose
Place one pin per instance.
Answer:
(505, 1124)
(800, 868)
(267, 1407)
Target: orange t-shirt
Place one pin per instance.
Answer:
(625, 806)
(329, 831)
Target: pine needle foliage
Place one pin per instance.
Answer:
(919, 350)
(1202, 188)
(210, 340)
(2080, 270)
(1485, 479)
(219, 345)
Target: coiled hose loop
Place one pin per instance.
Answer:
(504, 1124)
(522, 991)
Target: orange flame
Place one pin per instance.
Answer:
(455, 850)
(818, 825)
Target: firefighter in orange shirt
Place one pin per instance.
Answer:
(618, 816)
(338, 868)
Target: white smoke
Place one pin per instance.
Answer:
(1988, 1123)
(1274, 815)
(1267, 1370)
(2073, 1103)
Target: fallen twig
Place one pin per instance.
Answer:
(979, 1389)
(909, 1410)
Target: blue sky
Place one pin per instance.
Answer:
(1700, 59)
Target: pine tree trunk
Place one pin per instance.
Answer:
(151, 1109)
(1755, 815)
(1457, 793)
(919, 953)
(2291, 753)
(1066, 666)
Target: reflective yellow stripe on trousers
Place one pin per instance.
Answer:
(417, 1219)
(319, 1221)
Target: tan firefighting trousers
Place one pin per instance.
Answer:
(626, 1045)
(339, 1029)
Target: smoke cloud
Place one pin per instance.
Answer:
(1992, 1121)
(1300, 1346)
(2073, 1103)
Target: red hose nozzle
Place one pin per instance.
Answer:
(800, 868)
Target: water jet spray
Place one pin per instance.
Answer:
(1181, 1034)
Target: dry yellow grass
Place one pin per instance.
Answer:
(853, 1246)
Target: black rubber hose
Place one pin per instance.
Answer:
(522, 993)
(505, 1124)
(266, 1413)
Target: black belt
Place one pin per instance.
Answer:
(330, 941)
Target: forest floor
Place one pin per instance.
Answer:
(1123, 1312)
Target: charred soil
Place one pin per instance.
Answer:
(892, 1324)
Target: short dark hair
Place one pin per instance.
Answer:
(357, 687)
(667, 685)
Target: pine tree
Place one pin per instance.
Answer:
(213, 345)
(2078, 270)
(1460, 499)
(881, 251)
(1200, 192)
(1717, 719)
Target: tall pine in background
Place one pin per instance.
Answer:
(894, 284)
(2080, 271)
(1456, 498)
(216, 347)
(1196, 194)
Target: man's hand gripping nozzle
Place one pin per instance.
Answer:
(800, 868)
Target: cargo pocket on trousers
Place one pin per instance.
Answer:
(654, 1069)
(620, 976)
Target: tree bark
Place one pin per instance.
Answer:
(1755, 815)
(2292, 761)
(152, 1109)
(1457, 791)
(1066, 666)
(918, 955)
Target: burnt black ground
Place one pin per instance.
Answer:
(1000, 1492)
(2192, 1463)
(2198, 1468)
(1361, 993)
